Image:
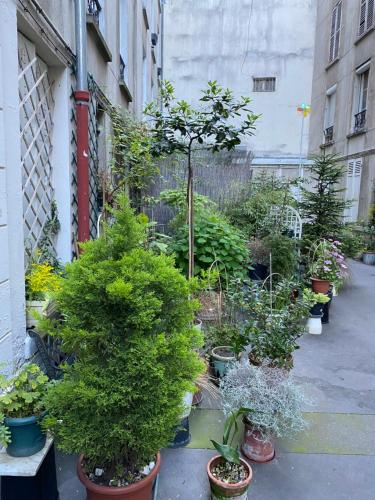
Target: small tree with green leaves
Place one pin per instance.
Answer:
(181, 128)
(323, 206)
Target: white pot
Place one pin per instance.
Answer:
(198, 324)
(314, 325)
(37, 306)
(187, 402)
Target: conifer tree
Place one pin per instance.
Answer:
(323, 204)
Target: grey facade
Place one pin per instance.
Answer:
(343, 95)
(262, 49)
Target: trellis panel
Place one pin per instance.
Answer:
(36, 126)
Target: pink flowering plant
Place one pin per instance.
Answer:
(328, 262)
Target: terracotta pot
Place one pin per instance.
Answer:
(254, 448)
(137, 491)
(320, 286)
(227, 491)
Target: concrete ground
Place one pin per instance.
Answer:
(335, 458)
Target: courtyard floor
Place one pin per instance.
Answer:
(335, 458)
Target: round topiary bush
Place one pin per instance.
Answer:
(128, 319)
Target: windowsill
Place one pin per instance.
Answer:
(125, 90)
(101, 43)
(332, 63)
(327, 144)
(361, 37)
(356, 132)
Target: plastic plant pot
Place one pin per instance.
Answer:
(314, 325)
(27, 437)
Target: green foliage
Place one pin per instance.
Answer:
(273, 332)
(133, 163)
(314, 298)
(322, 205)
(352, 240)
(284, 254)
(225, 333)
(178, 127)
(129, 320)
(215, 240)
(21, 396)
(251, 210)
(179, 124)
(226, 449)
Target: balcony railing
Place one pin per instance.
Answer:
(328, 134)
(360, 121)
(122, 69)
(94, 8)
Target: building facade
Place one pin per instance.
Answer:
(38, 126)
(343, 95)
(259, 49)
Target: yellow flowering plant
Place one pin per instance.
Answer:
(41, 281)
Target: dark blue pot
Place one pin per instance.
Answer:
(317, 310)
(182, 436)
(26, 436)
(259, 272)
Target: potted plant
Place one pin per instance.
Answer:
(41, 281)
(129, 320)
(274, 406)
(317, 301)
(324, 269)
(228, 474)
(21, 411)
(368, 256)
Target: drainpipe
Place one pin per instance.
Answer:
(82, 97)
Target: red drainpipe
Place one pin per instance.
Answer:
(82, 98)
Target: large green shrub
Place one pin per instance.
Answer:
(215, 240)
(128, 319)
(284, 254)
(250, 211)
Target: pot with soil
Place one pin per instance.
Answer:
(139, 490)
(320, 286)
(222, 357)
(254, 446)
(228, 480)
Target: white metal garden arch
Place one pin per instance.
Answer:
(288, 218)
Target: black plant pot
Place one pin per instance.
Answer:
(182, 436)
(259, 272)
(317, 310)
(326, 307)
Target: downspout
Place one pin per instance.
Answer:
(82, 97)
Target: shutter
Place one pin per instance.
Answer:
(338, 28)
(362, 17)
(332, 38)
(353, 189)
(370, 13)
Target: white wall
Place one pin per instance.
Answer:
(12, 294)
(232, 41)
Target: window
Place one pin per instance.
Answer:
(334, 41)
(329, 114)
(353, 188)
(145, 80)
(360, 96)
(366, 16)
(124, 40)
(267, 84)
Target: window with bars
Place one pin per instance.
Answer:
(334, 42)
(264, 84)
(360, 96)
(366, 16)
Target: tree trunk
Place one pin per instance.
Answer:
(190, 204)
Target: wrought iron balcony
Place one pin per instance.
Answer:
(328, 134)
(94, 8)
(360, 121)
(122, 69)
